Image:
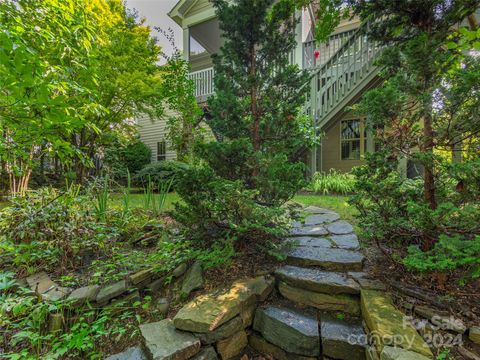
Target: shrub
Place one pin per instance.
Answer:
(332, 182)
(393, 211)
(160, 172)
(216, 209)
(49, 229)
(121, 159)
(450, 253)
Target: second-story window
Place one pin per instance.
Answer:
(353, 139)
(161, 150)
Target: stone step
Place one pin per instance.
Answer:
(326, 302)
(389, 325)
(317, 280)
(326, 258)
(342, 340)
(289, 330)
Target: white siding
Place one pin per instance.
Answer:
(152, 132)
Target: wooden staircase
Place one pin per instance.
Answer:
(341, 80)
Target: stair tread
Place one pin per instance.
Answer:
(341, 339)
(317, 280)
(326, 258)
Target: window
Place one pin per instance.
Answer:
(161, 151)
(353, 139)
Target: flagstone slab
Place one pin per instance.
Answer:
(342, 340)
(328, 259)
(164, 342)
(388, 325)
(313, 230)
(317, 210)
(111, 291)
(311, 241)
(317, 280)
(347, 241)
(340, 227)
(207, 312)
(318, 219)
(46, 288)
(84, 294)
(349, 304)
(289, 330)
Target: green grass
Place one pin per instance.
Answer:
(137, 200)
(337, 203)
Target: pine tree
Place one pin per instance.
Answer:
(419, 106)
(256, 109)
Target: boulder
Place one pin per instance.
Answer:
(327, 259)
(46, 288)
(474, 334)
(317, 280)
(133, 353)
(394, 353)
(389, 326)
(289, 330)
(326, 302)
(224, 331)
(84, 294)
(193, 279)
(261, 345)
(164, 342)
(207, 312)
(232, 346)
(342, 340)
(347, 241)
(340, 227)
(207, 353)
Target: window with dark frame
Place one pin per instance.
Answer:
(353, 139)
(161, 150)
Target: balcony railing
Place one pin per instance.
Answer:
(203, 81)
(326, 49)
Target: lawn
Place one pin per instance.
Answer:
(336, 203)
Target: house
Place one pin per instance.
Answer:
(343, 70)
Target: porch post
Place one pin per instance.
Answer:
(186, 43)
(298, 52)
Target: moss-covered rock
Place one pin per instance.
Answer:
(388, 326)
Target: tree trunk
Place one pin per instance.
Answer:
(429, 179)
(255, 115)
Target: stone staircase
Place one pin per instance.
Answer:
(325, 308)
(317, 275)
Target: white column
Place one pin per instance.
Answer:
(186, 43)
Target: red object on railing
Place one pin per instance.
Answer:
(316, 54)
